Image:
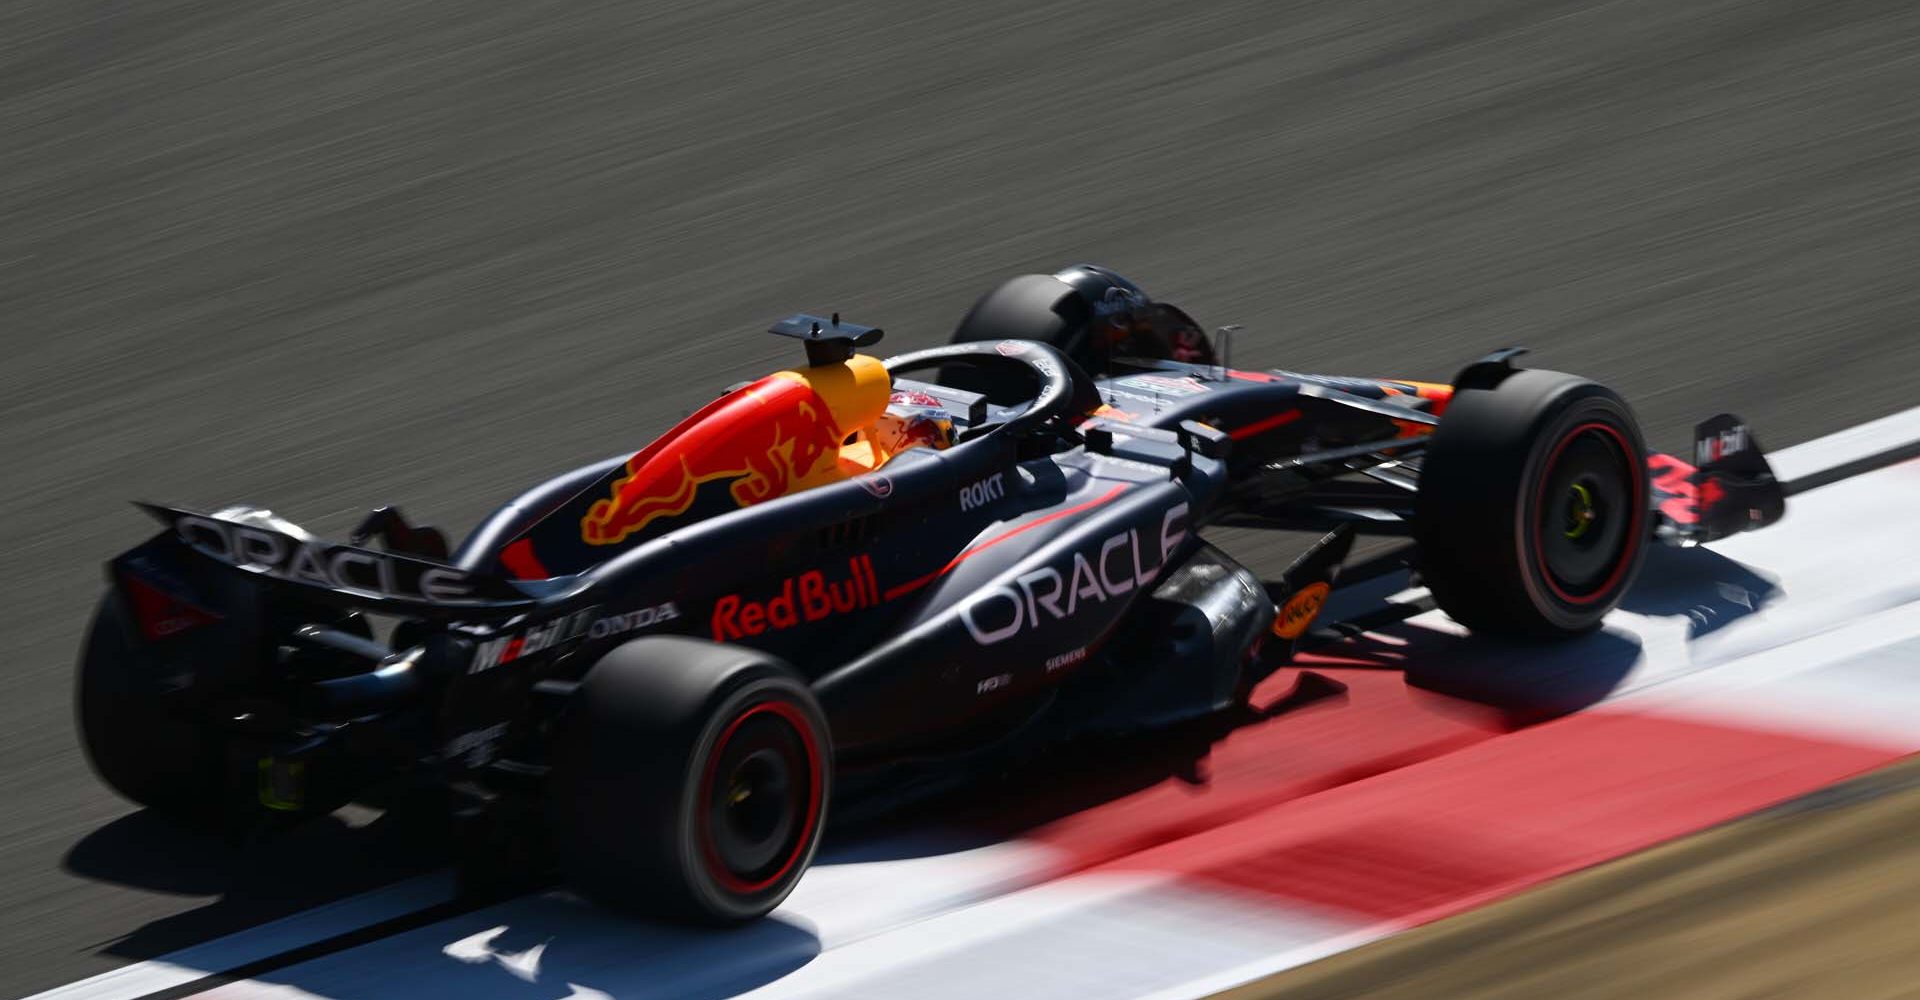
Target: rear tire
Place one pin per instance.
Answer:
(1030, 307)
(690, 780)
(1532, 512)
(135, 745)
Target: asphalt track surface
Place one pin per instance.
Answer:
(325, 256)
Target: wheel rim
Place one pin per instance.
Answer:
(760, 797)
(1587, 513)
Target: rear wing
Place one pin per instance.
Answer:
(1728, 488)
(251, 542)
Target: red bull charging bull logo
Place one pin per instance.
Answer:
(770, 438)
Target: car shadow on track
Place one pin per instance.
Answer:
(1709, 589)
(533, 948)
(256, 875)
(1527, 682)
(1535, 681)
(554, 946)
(1488, 685)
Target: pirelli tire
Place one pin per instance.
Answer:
(136, 745)
(1028, 307)
(1532, 514)
(690, 781)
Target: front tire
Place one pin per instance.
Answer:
(1532, 512)
(690, 780)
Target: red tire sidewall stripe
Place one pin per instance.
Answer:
(798, 720)
(1636, 498)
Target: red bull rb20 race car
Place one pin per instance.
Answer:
(841, 583)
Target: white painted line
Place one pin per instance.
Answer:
(848, 902)
(1096, 935)
(1267, 965)
(554, 938)
(1859, 681)
(1850, 445)
(256, 943)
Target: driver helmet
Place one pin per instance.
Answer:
(913, 419)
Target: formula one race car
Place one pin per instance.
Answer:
(834, 580)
